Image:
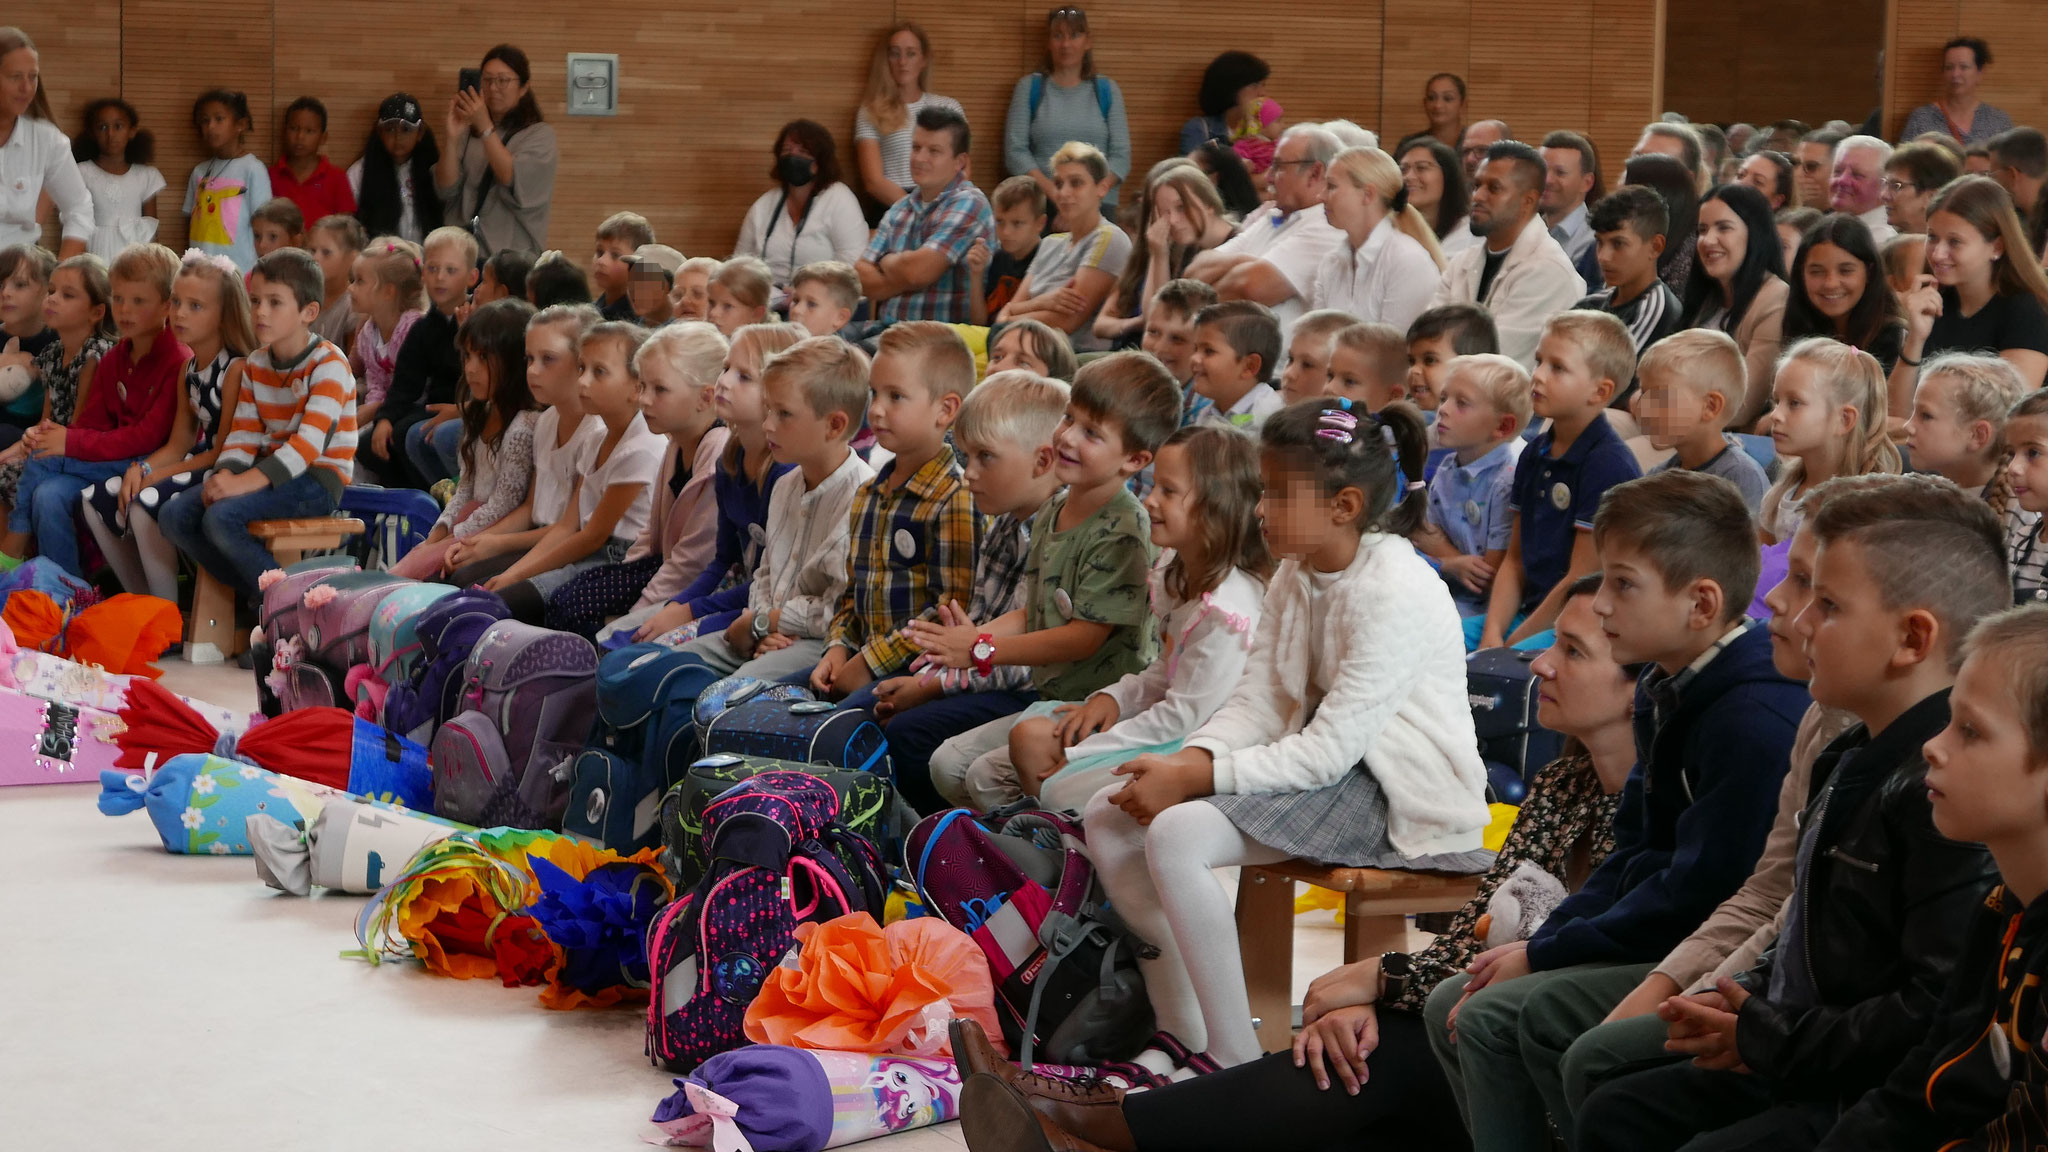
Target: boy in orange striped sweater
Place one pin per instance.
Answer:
(124, 415)
(291, 448)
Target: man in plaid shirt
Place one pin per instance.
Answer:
(915, 267)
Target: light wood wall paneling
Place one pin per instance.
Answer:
(1419, 39)
(81, 61)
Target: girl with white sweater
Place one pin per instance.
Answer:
(1347, 741)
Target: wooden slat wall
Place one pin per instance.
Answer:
(1813, 62)
(704, 89)
(2015, 30)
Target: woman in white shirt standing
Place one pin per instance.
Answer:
(1385, 271)
(35, 155)
(810, 214)
(897, 76)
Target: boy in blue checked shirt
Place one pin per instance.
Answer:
(913, 528)
(1479, 417)
(915, 268)
(1005, 435)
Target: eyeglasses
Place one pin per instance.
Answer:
(501, 81)
(1292, 163)
(1897, 186)
(1812, 166)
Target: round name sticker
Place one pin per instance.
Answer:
(906, 544)
(758, 533)
(1472, 511)
(1064, 603)
(1560, 496)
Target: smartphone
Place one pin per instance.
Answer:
(469, 80)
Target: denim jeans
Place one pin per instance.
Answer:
(435, 455)
(46, 503)
(216, 536)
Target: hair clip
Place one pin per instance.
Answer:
(1416, 485)
(197, 256)
(1387, 435)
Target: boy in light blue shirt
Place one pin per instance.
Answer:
(1485, 404)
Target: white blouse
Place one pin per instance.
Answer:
(37, 159)
(834, 229)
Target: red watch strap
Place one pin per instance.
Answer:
(985, 665)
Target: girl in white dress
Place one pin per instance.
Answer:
(113, 154)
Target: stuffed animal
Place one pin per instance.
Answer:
(14, 380)
(1520, 905)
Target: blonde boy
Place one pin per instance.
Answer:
(1689, 380)
(914, 531)
(418, 430)
(1485, 407)
(1306, 371)
(822, 297)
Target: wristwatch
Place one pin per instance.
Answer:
(984, 654)
(761, 626)
(1395, 970)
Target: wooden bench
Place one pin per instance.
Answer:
(1377, 904)
(210, 632)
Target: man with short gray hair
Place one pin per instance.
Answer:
(1274, 256)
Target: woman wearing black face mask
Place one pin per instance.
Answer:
(810, 215)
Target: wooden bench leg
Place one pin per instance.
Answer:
(1265, 933)
(1371, 932)
(210, 634)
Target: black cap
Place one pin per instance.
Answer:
(399, 106)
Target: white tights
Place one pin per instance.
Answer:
(142, 558)
(1159, 880)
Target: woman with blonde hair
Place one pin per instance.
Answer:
(897, 75)
(1388, 267)
(1180, 216)
(1983, 289)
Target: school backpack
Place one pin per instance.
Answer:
(1501, 689)
(774, 866)
(644, 739)
(868, 805)
(724, 695)
(1068, 988)
(1103, 99)
(334, 629)
(527, 695)
(807, 731)
(446, 633)
(391, 657)
(395, 521)
(283, 600)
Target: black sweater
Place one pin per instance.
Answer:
(428, 370)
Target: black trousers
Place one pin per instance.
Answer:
(1679, 1106)
(1269, 1103)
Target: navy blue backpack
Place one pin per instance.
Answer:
(806, 731)
(643, 742)
(448, 632)
(395, 521)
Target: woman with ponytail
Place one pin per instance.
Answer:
(1388, 267)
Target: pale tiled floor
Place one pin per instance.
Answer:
(175, 1002)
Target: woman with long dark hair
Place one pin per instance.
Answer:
(1435, 179)
(497, 177)
(1738, 286)
(1671, 179)
(1225, 169)
(810, 214)
(1838, 290)
(394, 180)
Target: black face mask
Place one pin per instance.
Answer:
(795, 171)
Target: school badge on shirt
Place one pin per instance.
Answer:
(1560, 496)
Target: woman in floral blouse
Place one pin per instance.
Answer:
(1325, 1092)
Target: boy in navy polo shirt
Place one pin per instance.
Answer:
(1582, 358)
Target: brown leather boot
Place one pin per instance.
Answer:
(996, 1117)
(974, 1055)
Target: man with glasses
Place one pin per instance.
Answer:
(1857, 186)
(1274, 257)
(1813, 161)
(1911, 177)
(1477, 139)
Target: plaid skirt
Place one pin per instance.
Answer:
(1344, 825)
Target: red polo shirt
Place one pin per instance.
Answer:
(324, 193)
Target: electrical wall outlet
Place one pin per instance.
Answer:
(593, 84)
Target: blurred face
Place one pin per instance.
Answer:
(68, 308)
(670, 403)
(272, 307)
(608, 265)
(902, 412)
(1428, 366)
(1642, 618)
(1563, 386)
(1850, 636)
(738, 397)
(1307, 368)
(906, 60)
(476, 372)
(794, 430)
(933, 163)
(647, 289)
(1298, 181)
(502, 89)
(269, 236)
(21, 299)
(399, 139)
(1786, 601)
(2028, 469)
(1565, 181)
(1905, 203)
(303, 135)
(1584, 689)
(1000, 475)
(1858, 183)
(1761, 174)
(219, 131)
(335, 258)
(607, 386)
(1835, 281)
(1977, 164)
(691, 297)
(1067, 46)
(1959, 72)
(1984, 780)
(1170, 338)
(111, 130)
(1940, 440)
(1423, 179)
(1805, 422)
(195, 310)
(1442, 104)
(1088, 451)
(20, 77)
(1478, 138)
(1670, 409)
(1465, 418)
(1295, 518)
(1812, 165)
(1352, 375)
(1173, 504)
(1723, 241)
(1018, 229)
(1957, 254)
(448, 273)
(1626, 258)
(552, 365)
(1499, 201)
(1014, 350)
(1077, 193)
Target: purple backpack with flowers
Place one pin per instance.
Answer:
(528, 697)
(773, 866)
(447, 633)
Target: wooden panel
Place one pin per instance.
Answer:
(2019, 38)
(80, 59)
(1913, 63)
(978, 51)
(1627, 60)
(1420, 39)
(1817, 63)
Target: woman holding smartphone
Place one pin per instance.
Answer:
(496, 175)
